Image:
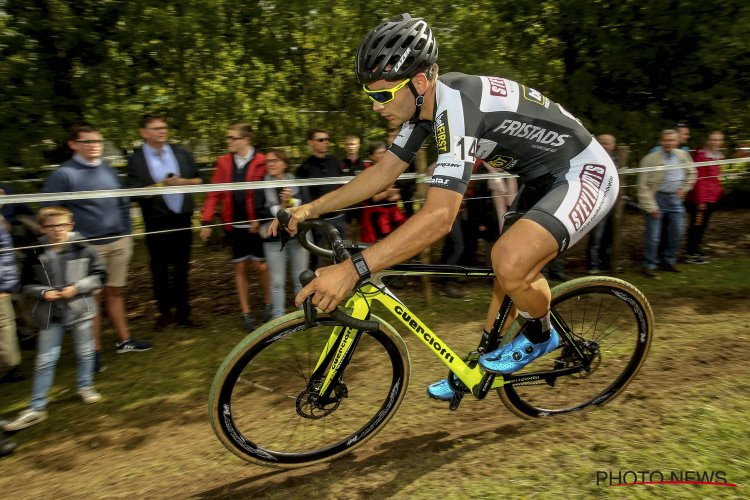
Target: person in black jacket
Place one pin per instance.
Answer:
(322, 164)
(159, 163)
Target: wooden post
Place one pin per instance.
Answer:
(421, 165)
(623, 152)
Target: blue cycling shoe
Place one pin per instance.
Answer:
(441, 390)
(518, 353)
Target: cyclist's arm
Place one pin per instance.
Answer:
(426, 226)
(364, 186)
(429, 224)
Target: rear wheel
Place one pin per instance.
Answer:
(611, 323)
(262, 407)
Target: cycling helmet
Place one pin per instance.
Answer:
(396, 49)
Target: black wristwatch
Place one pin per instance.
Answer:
(361, 266)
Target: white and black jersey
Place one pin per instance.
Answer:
(519, 130)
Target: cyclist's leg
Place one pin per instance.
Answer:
(578, 199)
(517, 259)
(520, 272)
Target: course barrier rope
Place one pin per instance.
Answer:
(243, 186)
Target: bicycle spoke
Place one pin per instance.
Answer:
(606, 328)
(271, 405)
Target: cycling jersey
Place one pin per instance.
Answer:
(517, 129)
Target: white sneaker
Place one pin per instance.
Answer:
(89, 395)
(25, 419)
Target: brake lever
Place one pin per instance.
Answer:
(311, 314)
(285, 237)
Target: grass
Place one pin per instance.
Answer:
(687, 410)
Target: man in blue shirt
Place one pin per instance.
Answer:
(660, 195)
(106, 221)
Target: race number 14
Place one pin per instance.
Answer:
(466, 148)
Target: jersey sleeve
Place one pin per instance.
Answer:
(409, 140)
(456, 136)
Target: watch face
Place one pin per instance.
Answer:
(361, 267)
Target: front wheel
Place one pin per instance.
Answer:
(263, 410)
(611, 323)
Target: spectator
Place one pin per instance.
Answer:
(599, 251)
(479, 217)
(352, 163)
(159, 163)
(704, 196)
(267, 203)
(504, 190)
(555, 270)
(321, 164)
(10, 354)
(24, 231)
(382, 215)
(61, 277)
(24, 228)
(683, 136)
(405, 186)
(106, 218)
(7, 445)
(660, 195)
(243, 163)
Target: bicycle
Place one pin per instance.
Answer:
(311, 386)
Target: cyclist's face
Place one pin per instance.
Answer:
(400, 109)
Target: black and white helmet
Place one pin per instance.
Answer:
(396, 49)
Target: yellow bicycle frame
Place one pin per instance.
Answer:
(359, 303)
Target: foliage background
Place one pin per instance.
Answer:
(629, 67)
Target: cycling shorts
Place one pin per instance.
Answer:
(570, 202)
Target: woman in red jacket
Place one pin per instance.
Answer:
(380, 215)
(702, 200)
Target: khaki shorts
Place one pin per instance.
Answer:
(116, 257)
(10, 355)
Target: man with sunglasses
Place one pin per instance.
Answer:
(321, 164)
(570, 182)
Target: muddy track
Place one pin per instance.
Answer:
(167, 448)
(406, 440)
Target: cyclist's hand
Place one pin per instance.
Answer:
(330, 287)
(205, 233)
(299, 214)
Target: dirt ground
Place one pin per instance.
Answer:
(162, 446)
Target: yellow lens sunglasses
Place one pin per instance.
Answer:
(383, 96)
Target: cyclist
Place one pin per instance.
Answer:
(570, 182)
